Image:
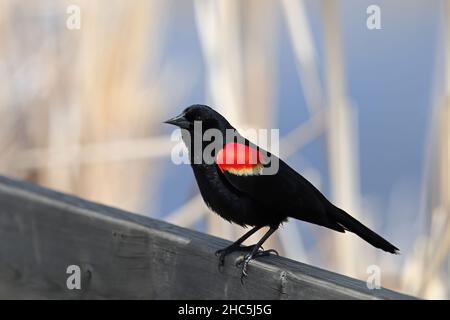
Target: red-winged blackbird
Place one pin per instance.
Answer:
(241, 192)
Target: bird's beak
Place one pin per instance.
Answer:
(179, 121)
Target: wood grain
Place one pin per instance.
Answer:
(128, 256)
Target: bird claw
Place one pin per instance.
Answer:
(239, 261)
(245, 260)
(242, 260)
(244, 273)
(266, 253)
(222, 253)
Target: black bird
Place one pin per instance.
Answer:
(242, 193)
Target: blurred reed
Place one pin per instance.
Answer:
(86, 121)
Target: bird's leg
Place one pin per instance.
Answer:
(236, 246)
(255, 253)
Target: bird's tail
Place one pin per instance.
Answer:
(351, 224)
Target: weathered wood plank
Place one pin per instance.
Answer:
(124, 255)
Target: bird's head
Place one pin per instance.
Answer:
(209, 118)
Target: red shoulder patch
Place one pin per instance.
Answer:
(238, 158)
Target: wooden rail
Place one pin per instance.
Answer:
(124, 255)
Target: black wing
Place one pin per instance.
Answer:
(286, 192)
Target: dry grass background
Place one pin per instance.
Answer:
(80, 111)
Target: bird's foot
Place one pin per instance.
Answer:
(245, 260)
(266, 253)
(222, 253)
